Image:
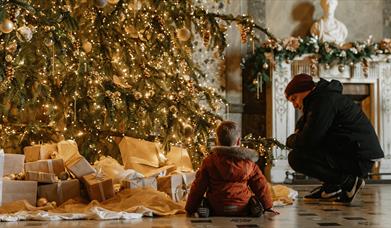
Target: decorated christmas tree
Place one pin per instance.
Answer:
(95, 71)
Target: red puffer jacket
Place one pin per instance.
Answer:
(227, 175)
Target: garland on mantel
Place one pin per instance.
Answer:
(273, 51)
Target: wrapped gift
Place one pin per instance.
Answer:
(41, 177)
(10, 163)
(177, 186)
(55, 166)
(39, 152)
(12, 190)
(99, 187)
(79, 166)
(140, 183)
(180, 157)
(60, 191)
(143, 156)
(68, 150)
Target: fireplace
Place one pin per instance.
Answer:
(371, 89)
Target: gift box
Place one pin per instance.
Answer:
(39, 152)
(180, 157)
(11, 163)
(68, 150)
(60, 191)
(79, 167)
(177, 186)
(150, 182)
(99, 187)
(143, 156)
(12, 190)
(55, 166)
(41, 177)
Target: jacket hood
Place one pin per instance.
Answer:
(237, 152)
(329, 86)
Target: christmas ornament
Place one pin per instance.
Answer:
(42, 202)
(100, 3)
(24, 33)
(48, 42)
(183, 34)
(113, 2)
(188, 130)
(265, 66)
(8, 58)
(173, 109)
(7, 26)
(87, 46)
(63, 176)
(54, 155)
(341, 68)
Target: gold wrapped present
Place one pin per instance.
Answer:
(55, 166)
(79, 166)
(180, 157)
(60, 191)
(11, 163)
(41, 177)
(39, 152)
(68, 150)
(98, 186)
(143, 156)
(150, 182)
(13, 190)
(177, 186)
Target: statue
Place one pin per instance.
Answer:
(327, 28)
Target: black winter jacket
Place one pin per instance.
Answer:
(334, 122)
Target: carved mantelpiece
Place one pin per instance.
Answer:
(281, 115)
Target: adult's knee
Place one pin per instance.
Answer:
(294, 159)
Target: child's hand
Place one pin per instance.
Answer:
(274, 212)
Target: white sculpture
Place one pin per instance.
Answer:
(327, 28)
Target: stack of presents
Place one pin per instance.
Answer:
(54, 173)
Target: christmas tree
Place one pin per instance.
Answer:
(96, 70)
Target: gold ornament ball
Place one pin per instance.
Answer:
(42, 202)
(87, 46)
(183, 34)
(188, 130)
(100, 3)
(113, 2)
(9, 58)
(48, 42)
(265, 66)
(24, 33)
(63, 176)
(7, 26)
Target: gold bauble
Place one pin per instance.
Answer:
(7, 26)
(183, 34)
(9, 58)
(113, 2)
(188, 130)
(100, 3)
(42, 202)
(87, 46)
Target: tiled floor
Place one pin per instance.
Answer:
(372, 208)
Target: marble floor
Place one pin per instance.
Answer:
(372, 208)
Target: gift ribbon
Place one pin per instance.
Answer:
(50, 166)
(1, 163)
(101, 191)
(59, 192)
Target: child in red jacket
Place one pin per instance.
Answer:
(229, 177)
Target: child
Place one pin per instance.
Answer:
(229, 177)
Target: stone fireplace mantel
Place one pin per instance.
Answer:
(281, 115)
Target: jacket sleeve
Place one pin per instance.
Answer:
(198, 189)
(318, 120)
(260, 188)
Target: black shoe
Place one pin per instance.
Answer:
(325, 192)
(349, 194)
